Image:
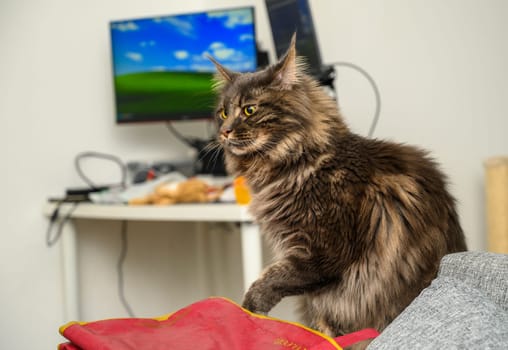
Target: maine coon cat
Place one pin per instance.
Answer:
(358, 225)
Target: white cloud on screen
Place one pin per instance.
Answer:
(125, 26)
(216, 45)
(181, 54)
(147, 43)
(224, 54)
(134, 56)
(246, 37)
(220, 51)
(183, 27)
(234, 18)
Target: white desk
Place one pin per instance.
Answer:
(251, 240)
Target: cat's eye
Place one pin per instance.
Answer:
(223, 114)
(249, 110)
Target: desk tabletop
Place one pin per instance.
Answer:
(218, 212)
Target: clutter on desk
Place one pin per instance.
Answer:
(171, 188)
(192, 190)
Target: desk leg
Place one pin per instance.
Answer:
(70, 273)
(252, 254)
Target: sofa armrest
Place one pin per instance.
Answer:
(464, 307)
(487, 272)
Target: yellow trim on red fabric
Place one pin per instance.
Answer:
(72, 323)
(67, 325)
(318, 333)
(163, 317)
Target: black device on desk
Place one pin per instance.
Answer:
(77, 194)
(289, 16)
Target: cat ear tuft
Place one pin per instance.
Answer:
(286, 71)
(223, 75)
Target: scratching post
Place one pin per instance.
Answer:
(496, 191)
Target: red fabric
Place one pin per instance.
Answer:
(355, 337)
(211, 324)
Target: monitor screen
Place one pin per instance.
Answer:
(160, 65)
(288, 16)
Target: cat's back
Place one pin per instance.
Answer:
(374, 157)
(396, 187)
(384, 166)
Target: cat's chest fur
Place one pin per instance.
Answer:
(314, 198)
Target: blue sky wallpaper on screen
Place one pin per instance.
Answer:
(181, 42)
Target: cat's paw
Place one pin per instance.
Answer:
(256, 302)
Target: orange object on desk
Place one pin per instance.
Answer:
(242, 192)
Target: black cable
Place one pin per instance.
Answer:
(119, 266)
(90, 154)
(50, 241)
(186, 140)
(374, 87)
(201, 148)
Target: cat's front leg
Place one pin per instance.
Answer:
(259, 299)
(286, 277)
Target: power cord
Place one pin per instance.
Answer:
(189, 141)
(91, 154)
(51, 241)
(69, 198)
(119, 267)
(374, 88)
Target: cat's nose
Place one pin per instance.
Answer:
(226, 131)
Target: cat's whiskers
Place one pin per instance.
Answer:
(215, 147)
(210, 147)
(216, 154)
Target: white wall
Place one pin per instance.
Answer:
(440, 66)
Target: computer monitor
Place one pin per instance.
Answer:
(161, 72)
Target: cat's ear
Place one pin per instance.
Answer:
(224, 75)
(286, 70)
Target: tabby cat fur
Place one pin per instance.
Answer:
(358, 225)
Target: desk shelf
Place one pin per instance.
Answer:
(214, 212)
